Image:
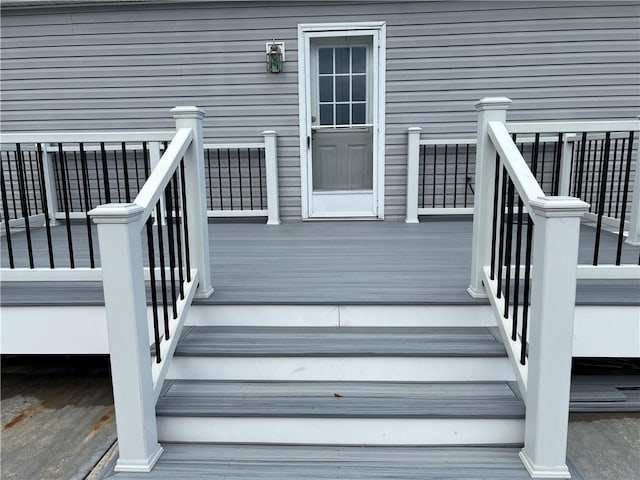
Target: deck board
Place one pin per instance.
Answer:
(324, 263)
(284, 462)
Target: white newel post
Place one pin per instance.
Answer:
(489, 109)
(564, 181)
(553, 293)
(413, 172)
(271, 174)
(124, 295)
(191, 117)
(49, 172)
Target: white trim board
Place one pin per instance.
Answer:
(377, 30)
(342, 431)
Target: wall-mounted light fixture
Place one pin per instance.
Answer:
(275, 56)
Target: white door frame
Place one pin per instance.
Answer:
(322, 30)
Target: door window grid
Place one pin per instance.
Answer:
(342, 85)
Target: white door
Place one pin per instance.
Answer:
(342, 125)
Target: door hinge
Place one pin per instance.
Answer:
(308, 142)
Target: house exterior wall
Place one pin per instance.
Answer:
(123, 67)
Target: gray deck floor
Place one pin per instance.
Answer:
(325, 263)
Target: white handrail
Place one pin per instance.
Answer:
(86, 137)
(514, 162)
(161, 175)
(573, 127)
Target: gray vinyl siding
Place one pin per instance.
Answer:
(124, 67)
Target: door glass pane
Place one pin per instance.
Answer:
(326, 114)
(342, 114)
(358, 113)
(342, 60)
(358, 59)
(342, 88)
(359, 92)
(326, 89)
(325, 56)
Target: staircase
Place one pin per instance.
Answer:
(273, 402)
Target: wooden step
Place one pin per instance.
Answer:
(339, 341)
(345, 413)
(295, 462)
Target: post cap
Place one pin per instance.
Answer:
(269, 133)
(188, 112)
(493, 103)
(116, 213)
(414, 129)
(558, 206)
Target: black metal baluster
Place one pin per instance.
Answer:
(96, 170)
(210, 195)
(34, 189)
(542, 164)
(78, 184)
(230, 182)
(163, 273)
(65, 199)
(260, 177)
(22, 185)
(583, 144)
(624, 143)
(176, 202)
(5, 214)
(152, 281)
(117, 172)
(602, 190)
(598, 183)
(250, 178)
(507, 260)
(433, 196)
(168, 196)
(527, 291)
(613, 175)
(501, 241)
(125, 168)
(45, 204)
(24, 189)
(591, 167)
(220, 180)
(534, 155)
(105, 173)
(87, 205)
(444, 183)
(12, 185)
(136, 167)
(556, 164)
(624, 197)
(240, 182)
(494, 223)
(466, 174)
(455, 181)
(516, 276)
(185, 219)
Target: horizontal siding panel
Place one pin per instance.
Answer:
(123, 67)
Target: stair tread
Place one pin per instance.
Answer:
(339, 399)
(339, 341)
(283, 462)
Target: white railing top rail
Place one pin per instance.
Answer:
(161, 175)
(87, 137)
(524, 139)
(573, 127)
(514, 162)
(232, 146)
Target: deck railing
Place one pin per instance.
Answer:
(525, 260)
(177, 248)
